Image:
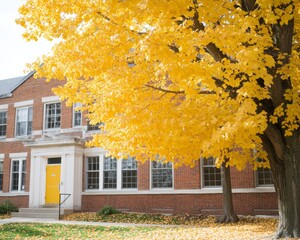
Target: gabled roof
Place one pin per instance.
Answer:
(7, 86)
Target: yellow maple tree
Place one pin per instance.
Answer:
(183, 79)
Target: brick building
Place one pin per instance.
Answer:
(42, 154)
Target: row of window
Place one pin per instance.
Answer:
(52, 119)
(107, 174)
(161, 174)
(18, 175)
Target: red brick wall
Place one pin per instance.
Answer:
(187, 178)
(244, 203)
(6, 149)
(19, 201)
(143, 176)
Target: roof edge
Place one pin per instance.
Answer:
(26, 77)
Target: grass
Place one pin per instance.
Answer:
(188, 228)
(61, 231)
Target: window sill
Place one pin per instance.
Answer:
(13, 194)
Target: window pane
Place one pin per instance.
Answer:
(93, 180)
(52, 115)
(129, 173)
(24, 121)
(76, 115)
(110, 173)
(56, 160)
(211, 174)
(264, 177)
(3, 121)
(162, 175)
(23, 175)
(94, 127)
(15, 181)
(21, 128)
(92, 172)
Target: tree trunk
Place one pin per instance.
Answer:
(286, 176)
(229, 214)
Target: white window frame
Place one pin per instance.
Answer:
(163, 188)
(77, 112)
(129, 169)
(93, 153)
(87, 171)
(20, 172)
(45, 122)
(110, 170)
(5, 111)
(27, 121)
(203, 177)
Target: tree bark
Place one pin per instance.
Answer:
(286, 176)
(229, 214)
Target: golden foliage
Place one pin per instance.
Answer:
(144, 69)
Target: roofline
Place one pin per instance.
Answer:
(6, 95)
(30, 74)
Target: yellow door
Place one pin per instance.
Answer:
(52, 184)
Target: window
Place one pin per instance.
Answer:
(24, 121)
(107, 173)
(1, 175)
(18, 175)
(211, 174)
(52, 115)
(129, 173)
(55, 160)
(3, 122)
(92, 173)
(162, 175)
(110, 173)
(77, 116)
(94, 127)
(264, 177)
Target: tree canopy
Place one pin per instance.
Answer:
(183, 79)
(180, 78)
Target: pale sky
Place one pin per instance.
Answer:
(15, 52)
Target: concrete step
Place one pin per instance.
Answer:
(40, 212)
(35, 215)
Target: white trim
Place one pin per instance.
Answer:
(175, 191)
(18, 155)
(3, 106)
(90, 152)
(50, 99)
(13, 194)
(20, 160)
(202, 177)
(2, 156)
(23, 103)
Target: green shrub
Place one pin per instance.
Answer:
(108, 210)
(8, 207)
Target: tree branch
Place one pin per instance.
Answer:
(164, 90)
(248, 5)
(275, 137)
(206, 92)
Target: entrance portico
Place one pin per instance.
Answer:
(62, 157)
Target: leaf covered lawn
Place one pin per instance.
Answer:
(243, 230)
